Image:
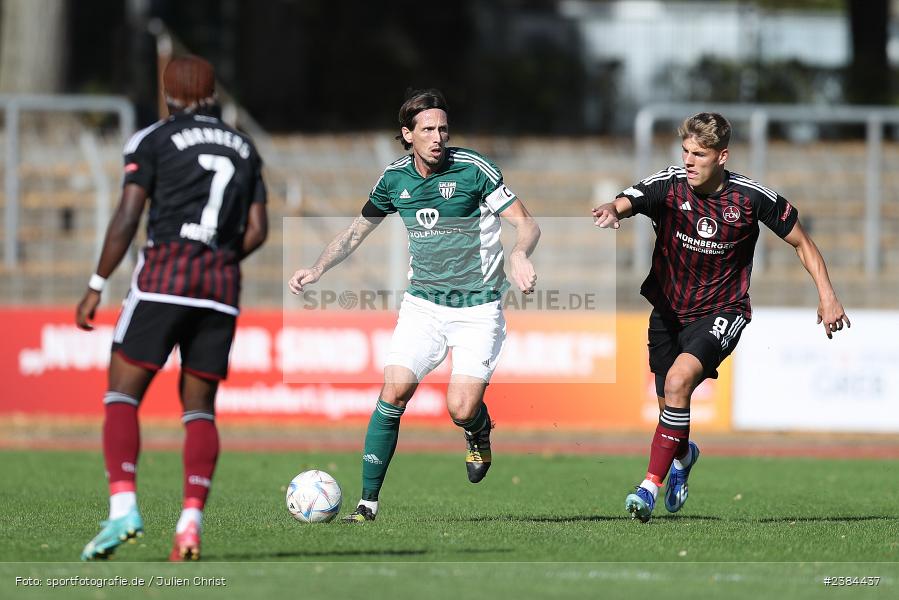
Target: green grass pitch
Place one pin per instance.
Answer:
(537, 526)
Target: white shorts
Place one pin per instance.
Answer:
(425, 331)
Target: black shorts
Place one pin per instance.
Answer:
(146, 333)
(710, 339)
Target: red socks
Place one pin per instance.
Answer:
(121, 441)
(201, 450)
(121, 445)
(671, 440)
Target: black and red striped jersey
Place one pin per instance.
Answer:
(702, 260)
(201, 176)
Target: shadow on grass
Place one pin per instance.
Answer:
(583, 518)
(538, 519)
(826, 519)
(672, 517)
(316, 554)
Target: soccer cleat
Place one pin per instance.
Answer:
(187, 545)
(112, 534)
(640, 504)
(676, 492)
(477, 462)
(360, 515)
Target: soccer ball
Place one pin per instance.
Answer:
(313, 497)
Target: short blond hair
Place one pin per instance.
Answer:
(711, 130)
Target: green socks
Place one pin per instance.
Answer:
(478, 422)
(380, 443)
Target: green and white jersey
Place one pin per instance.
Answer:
(452, 217)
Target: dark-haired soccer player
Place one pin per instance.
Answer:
(450, 200)
(207, 213)
(706, 220)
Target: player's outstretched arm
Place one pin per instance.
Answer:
(119, 234)
(257, 229)
(340, 247)
(521, 270)
(609, 214)
(830, 311)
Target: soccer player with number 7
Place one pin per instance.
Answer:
(706, 220)
(207, 213)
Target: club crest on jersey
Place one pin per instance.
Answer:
(706, 227)
(447, 189)
(427, 217)
(731, 214)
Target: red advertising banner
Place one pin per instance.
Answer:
(325, 368)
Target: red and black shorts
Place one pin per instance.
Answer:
(147, 331)
(710, 339)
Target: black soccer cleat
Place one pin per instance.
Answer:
(477, 462)
(360, 515)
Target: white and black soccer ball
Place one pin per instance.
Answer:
(313, 497)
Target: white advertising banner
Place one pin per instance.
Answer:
(789, 376)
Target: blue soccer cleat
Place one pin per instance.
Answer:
(676, 492)
(640, 504)
(112, 534)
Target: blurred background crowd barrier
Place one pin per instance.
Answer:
(575, 100)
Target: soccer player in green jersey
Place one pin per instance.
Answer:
(450, 200)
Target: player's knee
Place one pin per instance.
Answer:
(198, 403)
(464, 403)
(397, 394)
(677, 388)
(462, 411)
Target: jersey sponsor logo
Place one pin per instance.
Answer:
(731, 214)
(686, 206)
(706, 227)
(131, 167)
(427, 217)
(447, 189)
(704, 246)
(788, 208)
(404, 195)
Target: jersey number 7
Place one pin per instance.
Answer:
(224, 171)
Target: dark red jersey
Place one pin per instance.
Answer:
(704, 246)
(201, 176)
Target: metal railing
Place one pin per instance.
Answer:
(759, 117)
(15, 104)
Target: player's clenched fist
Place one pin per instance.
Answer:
(302, 278)
(522, 272)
